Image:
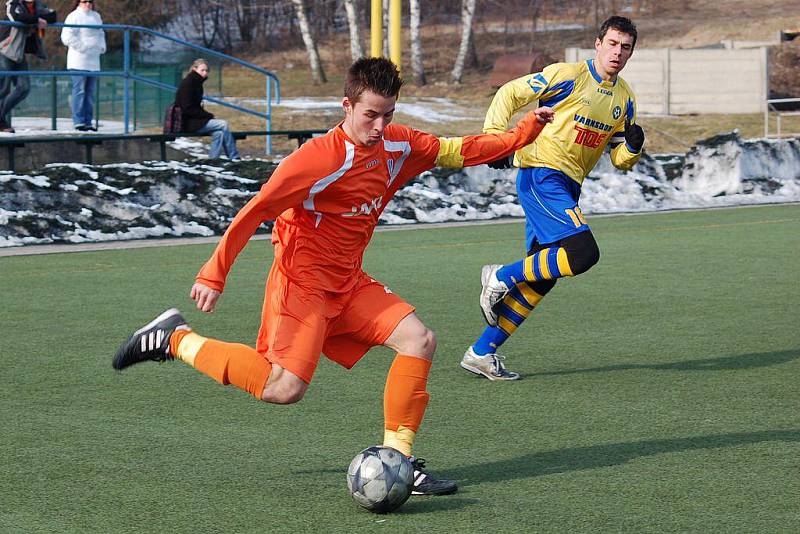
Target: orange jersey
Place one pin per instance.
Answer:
(327, 196)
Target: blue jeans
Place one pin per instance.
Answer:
(22, 86)
(221, 137)
(83, 89)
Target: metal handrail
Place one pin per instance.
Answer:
(770, 107)
(127, 75)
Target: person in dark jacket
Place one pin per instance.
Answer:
(15, 42)
(196, 119)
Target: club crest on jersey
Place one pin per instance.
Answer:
(537, 82)
(616, 112)
(371, 163)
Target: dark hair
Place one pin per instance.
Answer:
(376, 74)
(621, 24)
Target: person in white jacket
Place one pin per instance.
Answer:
(85, 47)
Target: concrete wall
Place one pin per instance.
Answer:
(37, 155)
(676, 81)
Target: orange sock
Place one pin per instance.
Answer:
(405, 400)
(227, 363)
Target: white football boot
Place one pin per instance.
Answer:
(491, 366)
(492, 292)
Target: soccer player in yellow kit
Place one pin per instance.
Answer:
(594, 107)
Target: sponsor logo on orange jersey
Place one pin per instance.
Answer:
(365, 208)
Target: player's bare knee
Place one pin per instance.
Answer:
(412, 337)
(282, 395)
(428, 343)
(287, 390)
(422, 343)
(290, 396)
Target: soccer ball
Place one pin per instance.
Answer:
(380, 479)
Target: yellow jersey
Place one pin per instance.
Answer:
(590, 114)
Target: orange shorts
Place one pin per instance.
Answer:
(298, 324)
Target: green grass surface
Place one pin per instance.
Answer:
(660, 392)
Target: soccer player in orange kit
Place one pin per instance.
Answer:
(326, 199)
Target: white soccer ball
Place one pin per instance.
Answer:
(380, 479)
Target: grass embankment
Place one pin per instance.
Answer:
(685, 24)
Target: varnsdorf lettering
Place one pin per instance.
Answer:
(593, 123)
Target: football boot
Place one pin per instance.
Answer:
(490, 365)
(492, 292)
(150, 342)
(425, 484)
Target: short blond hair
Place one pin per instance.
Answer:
(199, 61)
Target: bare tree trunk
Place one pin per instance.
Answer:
(248, 18)
(534, 10)
(356, 48)
(467, 13)
(385, 11)
(472, 55)
(416, 45)
(596, 14)
(506, 35)
(200, 15)
(317, 73)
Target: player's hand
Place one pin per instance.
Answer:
(502, 163)
(532, 123)
(634, 136)
(544, 114)
(205, 296)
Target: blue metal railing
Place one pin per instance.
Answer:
(128, 76)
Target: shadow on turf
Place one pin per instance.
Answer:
(580, 458)
(724, 363)
(428, 504)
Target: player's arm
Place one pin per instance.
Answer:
(429, 151)
(458, 152)
(627, 142)
(287, 187)
(507, 101)
(511, 98)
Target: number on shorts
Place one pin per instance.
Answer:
(576, 216)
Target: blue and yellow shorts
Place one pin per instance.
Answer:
(550, 200)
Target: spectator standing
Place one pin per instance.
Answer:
(86, 45)
(196, 119)
(15, 42)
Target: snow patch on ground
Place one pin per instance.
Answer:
(428, 109)
(76, 203)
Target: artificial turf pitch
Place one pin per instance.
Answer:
(660, 392)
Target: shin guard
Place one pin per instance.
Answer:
(404, 401)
